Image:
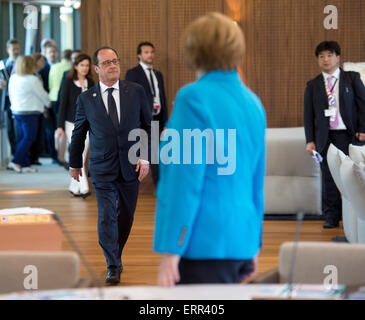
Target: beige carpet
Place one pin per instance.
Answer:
(51, 177)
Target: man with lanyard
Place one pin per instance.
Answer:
(334, 112)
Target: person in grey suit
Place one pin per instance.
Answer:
(110, 111)
(334, 112)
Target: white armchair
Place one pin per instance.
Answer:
(335, 157)
(353, 179)
(357, 153)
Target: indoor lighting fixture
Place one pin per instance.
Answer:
(67, 3)
(77, 5)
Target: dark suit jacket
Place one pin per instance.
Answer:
(68, 98)
(45, 75)
(5, 104)
(138, 75)
(352, 108)
(109, 147)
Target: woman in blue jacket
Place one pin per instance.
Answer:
(210, 196)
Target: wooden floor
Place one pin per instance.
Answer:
(140, 262)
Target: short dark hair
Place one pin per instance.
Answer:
(95, 55)
(11, 41)
(66, 54)
(144, 43)
(331, 46)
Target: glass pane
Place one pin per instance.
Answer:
(66, 22)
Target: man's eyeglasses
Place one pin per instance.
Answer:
(108, 63)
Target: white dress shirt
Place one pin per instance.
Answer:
(104, 95)
(78, 84)
(145, 67)
(336, 93)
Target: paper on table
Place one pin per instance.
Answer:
(23, 211)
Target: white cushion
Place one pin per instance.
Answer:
(357, 153)
(353, 191)
(356, 66)
(286, 154)
(334, 159)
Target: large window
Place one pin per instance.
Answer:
(66, 28)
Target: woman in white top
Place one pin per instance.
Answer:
(77, 81)
(28, 99)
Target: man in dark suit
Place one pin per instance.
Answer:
(334, 112)
(13, 50)
(152, 82)
(110, 111)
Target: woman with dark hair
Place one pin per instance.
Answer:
(78, 81)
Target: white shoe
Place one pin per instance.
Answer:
(29, 170)
(14, 166)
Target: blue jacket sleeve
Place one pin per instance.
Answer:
(180, 186)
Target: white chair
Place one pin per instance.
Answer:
(357, 153)
(357, 67)
(50, 270)
(335, 158)
(312, 259)
(353, 179)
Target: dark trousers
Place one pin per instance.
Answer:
(10, 126)
(331, 196)
(213, 271)
(27, 126)
(37, 146)
(117, 202)
(49, 130)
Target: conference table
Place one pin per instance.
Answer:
(184, 292)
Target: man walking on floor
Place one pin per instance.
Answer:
(109, 111)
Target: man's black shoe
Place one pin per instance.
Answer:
(330, 225)
(113, 276)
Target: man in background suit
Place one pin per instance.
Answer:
(109, 111)
(13, 50)
(334, 112)
(152, 82)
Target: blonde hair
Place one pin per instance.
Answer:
(24, 65)
(213, 42)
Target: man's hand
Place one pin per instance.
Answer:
(75, 173)
(143, 166)
(252, 272)
(168, 273)
(360, 136)
(310, 147)
(59, 132)
(3, 84)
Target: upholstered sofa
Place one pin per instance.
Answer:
(292, 181)
(313, 262)
(42, 270)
